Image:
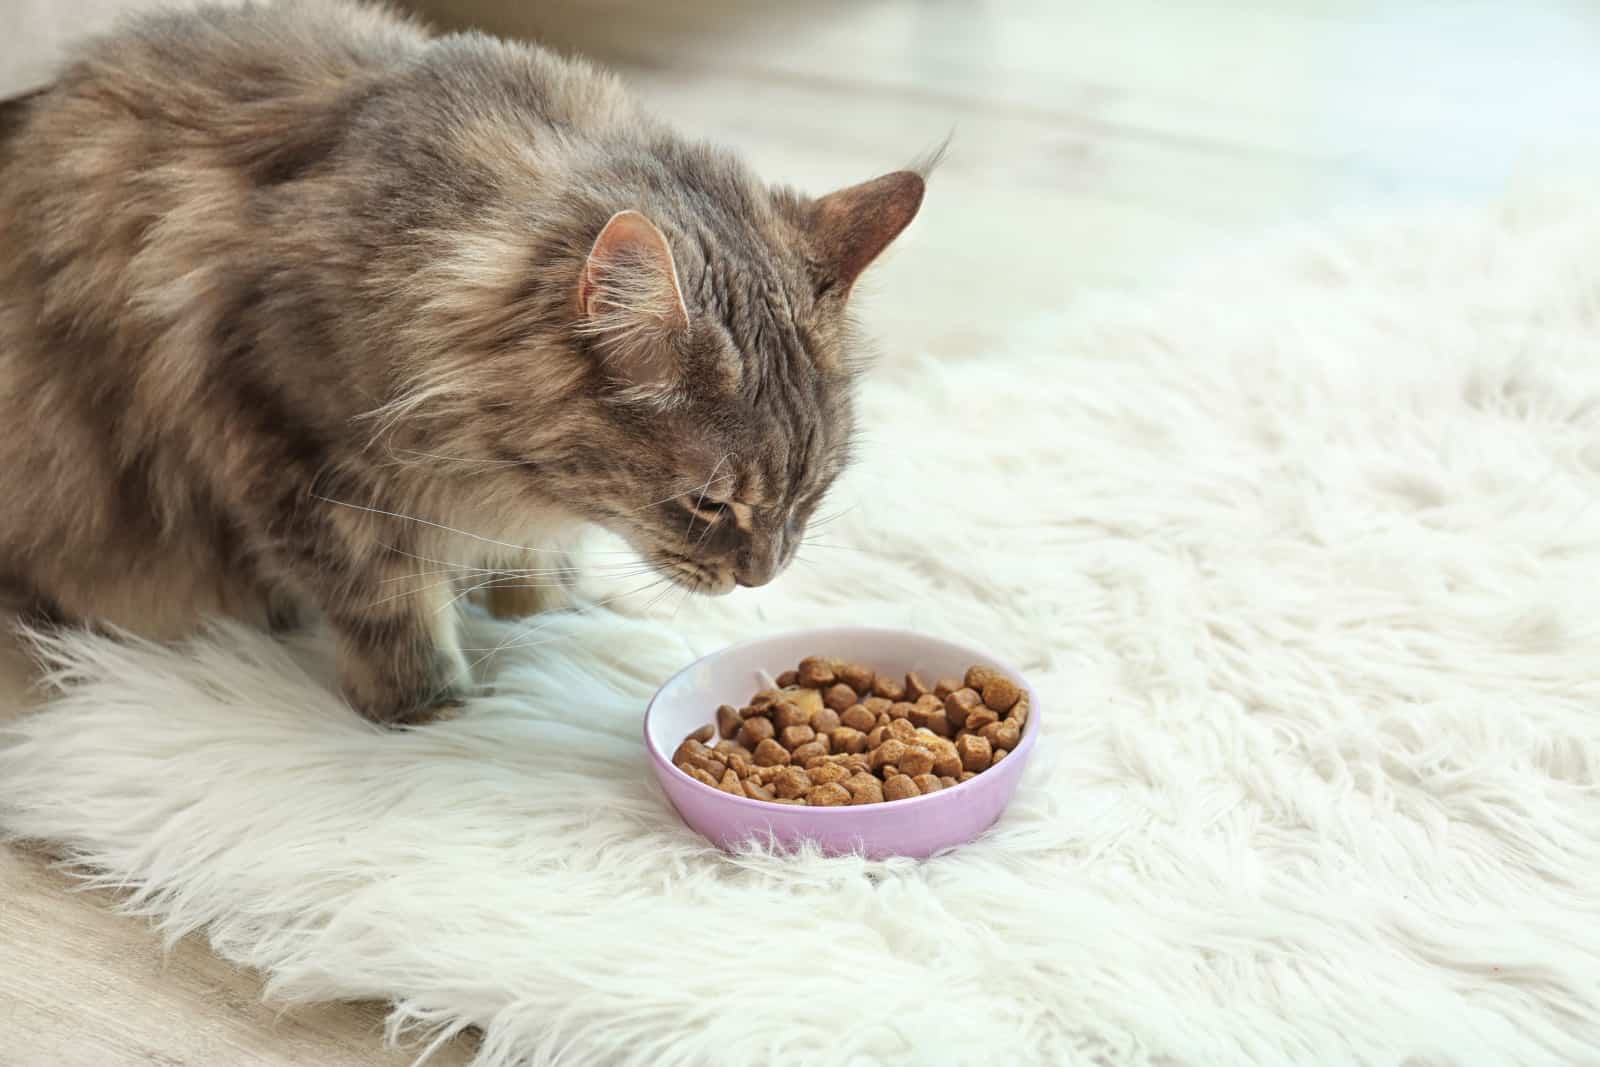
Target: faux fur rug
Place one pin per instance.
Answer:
(1305, 555)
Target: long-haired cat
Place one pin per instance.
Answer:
(291, 294)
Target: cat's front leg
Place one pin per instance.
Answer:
(396, 630)
(400, 658)
(394, 672)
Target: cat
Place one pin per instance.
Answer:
(306, 310)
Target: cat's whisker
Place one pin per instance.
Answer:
(439, 526)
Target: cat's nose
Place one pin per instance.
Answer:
(755, 568)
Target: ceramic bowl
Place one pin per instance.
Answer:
(916, 827)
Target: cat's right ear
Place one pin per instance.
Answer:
(630, 302)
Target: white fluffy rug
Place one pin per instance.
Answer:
(1305, 555)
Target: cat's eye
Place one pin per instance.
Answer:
(705, 508)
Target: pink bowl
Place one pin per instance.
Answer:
(917, 827)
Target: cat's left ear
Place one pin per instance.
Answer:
(630, 302)
(852, 227)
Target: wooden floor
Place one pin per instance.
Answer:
(1094, 144)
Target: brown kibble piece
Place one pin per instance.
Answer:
(978, 677)
(884, 720)
(975, 753)
(808, 699)
(927, 783)
(815, 672)
(755, 731)
(887, 771)
(959, 705)
(900, 787)
(789, 714)
(939, 723)
(858, 718)
(856, 763)
(864, 789)
(697, 774)
(877, 705)
(1001, 693)
(793, 782)
(945, 686)
(980, 717)
(731, 784)
(916, 761)
(916, 687)
(787, 679)
(889, 752)
(887, 688)
(965, 776)
(999, 754)
(839, 697)
(824, 773)
(795, 736)
(902, 730)
(826, 721)
(831, 795)
(848, 739)
(771, 754)
(756, 791)
(804, 754)
(901, 710)
(766, 698)
(740, 764)
(750, 711)
(858, 676)
(1019, 712)
(876, 735)
(705, 733)
(948, 781)
(1002, 734)
(796, 802)
(946, 761)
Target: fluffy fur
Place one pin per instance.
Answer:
(1303, 557)
(276, 275)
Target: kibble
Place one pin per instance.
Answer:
(826, 721)
(848, 739)
(975, 753)
(857, 677)
(859, 717)
(886, 688)
(900, 787)
(832, 732)
(839, 697)
(770, 754)
(755, 731)
(1001, 693)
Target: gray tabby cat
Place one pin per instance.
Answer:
(274, 279)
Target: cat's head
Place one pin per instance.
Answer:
(725, 362)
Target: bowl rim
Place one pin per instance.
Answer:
(1030, 733)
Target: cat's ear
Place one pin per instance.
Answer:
(852, 227)
(630, 302)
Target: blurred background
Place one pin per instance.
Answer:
(1095, 143)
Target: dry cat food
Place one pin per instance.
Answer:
(830, 733)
